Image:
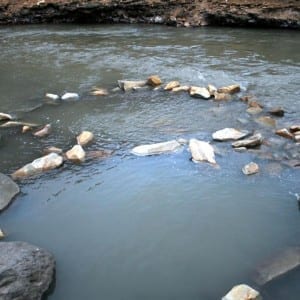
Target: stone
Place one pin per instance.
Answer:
(99, 92)
(16, 124)
(250, 169)
(255, 104)
(2, 235)
(212, 89)
(277, 111)
(240, 149)
(242, 292)
(183, 88)
(199, 92)
(253, 141)
(26, 271)
(76, 154)
(9, 189)
(266, 120)
(279, 265)
(227, 134)
(99, 154)
(52, 96)
(294, 128)
(44, 131)
(171, 85)
(39, 165)
(201, 151)
(26, 129)
(254, 110)
(230, 89)
(4, 117)
(154, 80)
(53, 150)
(84, 138)
(70, 96)
(222, 96)
(297, 138)
(158, 148)
(284, 133)
(247, 98)
(127, 85)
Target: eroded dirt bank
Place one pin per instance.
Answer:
(272, 13)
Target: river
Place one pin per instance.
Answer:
(156, 227)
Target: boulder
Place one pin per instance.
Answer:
(277, 266)
(171, 85)
(9, 189)
(227, 134)
(2, 235)
(76, 154)
(277, 111)
(52, 96)
(158, 148)
(199, 92)
(4, 117)
(154, 80)
(230, 89)
(183, 88)
(201, 151)
(16, 124)
(99, 92)
(284, 133)
(70, 96)
(26, 271)
(254, 110)
(253, 141)
(294, 128)
(268, 121)
(84, 138)
(222, 96)
(44, 131)
(53, 150)
(242, 292)
(127, 85)
(250, 169)
(39, 165)
(212, 89)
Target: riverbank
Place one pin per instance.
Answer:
(187, 13)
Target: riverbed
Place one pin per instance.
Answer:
(158, 227)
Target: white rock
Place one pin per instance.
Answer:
(158, 148)
(242, 292)
(227, 134)
(84, 138)
(199, 92)
(76, 154)
(52, 96)
(182, 88)
(4, 116)
(70, 96)
(212, 89)
(127, 85)
(250, 169)
(201, 151)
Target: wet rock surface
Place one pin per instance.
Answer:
(8, 190)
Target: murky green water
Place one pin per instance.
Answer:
(151, 227)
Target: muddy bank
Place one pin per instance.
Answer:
(273, 13)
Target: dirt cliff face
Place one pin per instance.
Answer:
(250, 13)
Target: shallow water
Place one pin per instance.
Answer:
(151, 227)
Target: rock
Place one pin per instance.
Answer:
(158, 148)
(297, 138)
(70, 96)
(199, 92)
(240, 149)
(53, 150)
(265, 120)
(9, 190)
(294, 128)
(171, 85)
(183, 88)
(154, 80)
(212, 89)
(251, 168)
(254, 110)
(127, 85)
(16, 124)
(52, 96)
(76, 154)
(201, 151)
(44, 131)
(99, 92)
(277, 111)
(84, 138)
(247, 98)
(227, 134)
(273, 168)
(253, 141)
(99, 154)
(255, 104)
(284, 133)
(222, 96)
(26, 129)
(26, 271)
(242, 292)
(230, 89)
(4, 117)
(277, 266)
(2, 235)
(39, 165)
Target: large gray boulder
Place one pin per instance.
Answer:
(8, 190)
(26, 271)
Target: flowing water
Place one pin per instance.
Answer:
(156, 227)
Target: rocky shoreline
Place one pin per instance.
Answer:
(182, 13)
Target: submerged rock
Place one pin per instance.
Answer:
(268, 121)
(84, 138)
(222, 96)
(53, 150)
(99, 92)
(254, 103)
(254, 110)
(8, 190)
(70, 96)
(253, 141)
(4, 117)
(39, 165)
(26, 271)
(154, 80)
(52, 96)
(242, 292)
(127, 85)
(250, 169)
(201, 151)
(230, 89)
(227, 134)
(171, 85)
(76, 154)
(44, 131)
(16, 124)
(284, 133)
(277, 111)
(199, 92)
(158, 148)
(99, 154)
